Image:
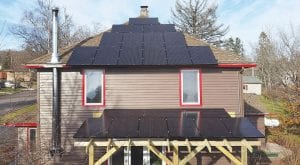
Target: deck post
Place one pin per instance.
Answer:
(91, 154)
(244, 155)
(175, 155)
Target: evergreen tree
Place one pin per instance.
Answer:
(234, 45)
(196, 18)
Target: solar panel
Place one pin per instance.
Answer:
(82, 56)
(153, 39)
(178, 55)
(202, 55)
(174, 124)
(154, 55)
(130, 55)
(132, 39)
(174, 39)
(143, 21)
(127, 28)
(107, 55)
(111, 39)
(159, 28)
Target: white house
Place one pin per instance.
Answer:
(251, 84)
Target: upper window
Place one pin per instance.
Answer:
(190, 87)
(93, 87)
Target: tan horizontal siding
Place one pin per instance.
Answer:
(130, 89)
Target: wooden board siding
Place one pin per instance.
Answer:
(129, 89)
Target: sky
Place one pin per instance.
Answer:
(246, 18)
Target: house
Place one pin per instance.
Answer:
(15, 71)
(142, 93)
(251, 84)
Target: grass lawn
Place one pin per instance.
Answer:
(20, 114)
(5, 91)
(273, 106)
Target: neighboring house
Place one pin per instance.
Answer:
(3, 75)
(142, 93)
(16, 72)
(251, 84)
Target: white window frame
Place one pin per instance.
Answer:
(198, 87)
(102, 88)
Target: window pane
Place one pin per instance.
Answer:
(93, 86)
(32, 139)
(190, 86)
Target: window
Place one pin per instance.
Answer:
(93, 92)
(190, 87)
(245, 87)
(32, 139)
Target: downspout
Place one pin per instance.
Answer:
(55, 150)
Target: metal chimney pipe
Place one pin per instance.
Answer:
(54, 58)
(56, 150)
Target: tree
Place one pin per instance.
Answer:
(266, 60)
(195, 17)
(234, 45)
(37, 28)
(289, 63)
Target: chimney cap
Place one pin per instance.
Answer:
(144, 11)
(55, 9)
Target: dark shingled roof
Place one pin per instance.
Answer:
(151, 52)
(144, 41)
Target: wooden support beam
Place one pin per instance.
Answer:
(129, 144)
(207, 144)
(175, 155)
(192, 154)
(88, 145)
(91, 154)
(159, 154)
(227, 144)
(188, 145)
(169, 147)
(246, 144)
(107, 155)
(244, 155)
(108, 145)
(229, 155)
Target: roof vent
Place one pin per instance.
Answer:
(144, 11)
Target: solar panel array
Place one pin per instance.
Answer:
(144, 41)
(174, 124)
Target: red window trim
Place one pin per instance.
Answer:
(180, 88)
(103, 90)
